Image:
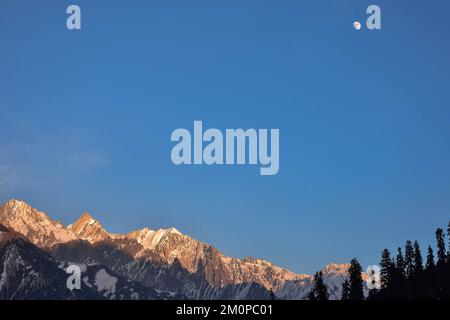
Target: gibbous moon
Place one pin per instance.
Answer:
(357, 25)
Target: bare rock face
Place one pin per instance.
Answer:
(164, 259)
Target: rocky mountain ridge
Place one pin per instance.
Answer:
(164, 259)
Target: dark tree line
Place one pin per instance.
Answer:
(407, 277)
(403, 276)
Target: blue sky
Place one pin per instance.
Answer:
(86, 118)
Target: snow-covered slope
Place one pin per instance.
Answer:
(150, 239)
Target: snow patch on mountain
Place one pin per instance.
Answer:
(150, 239)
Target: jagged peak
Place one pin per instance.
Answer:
(84, 220)
(169, 243)
(86, 216)
(35, 225)
(17, 201)
(336, 268)
(87, 228)
(17, 204)
(14, 210)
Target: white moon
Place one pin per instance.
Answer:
(357, 25)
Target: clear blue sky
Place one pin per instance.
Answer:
(86, 118)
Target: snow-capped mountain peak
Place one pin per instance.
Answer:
(87, 228)
(33, 224)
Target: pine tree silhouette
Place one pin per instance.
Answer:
(400, 262)
(430, 266)
(418, 278)
(441, 265)
(441, 254)
(418, 262)
(408, 278)
(430, 275)
(409, 267)
(409, 260)
(345, 290)
(386, 273)
(393, 278)
(400, 285)
(355, 281)
(320, 289)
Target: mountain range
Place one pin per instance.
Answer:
(142, 264)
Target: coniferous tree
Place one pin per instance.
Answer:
(409, 267)
(430, 266)
(400, 262)
(345, 290)
(409, 260)
(441, 253)
(320, 289)
(400, 285)
(386, 275)
(386, 269)
(355, 281)
(418, 262)
(441, 264)
(418, 279)
(430, 274)
(407, 277)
